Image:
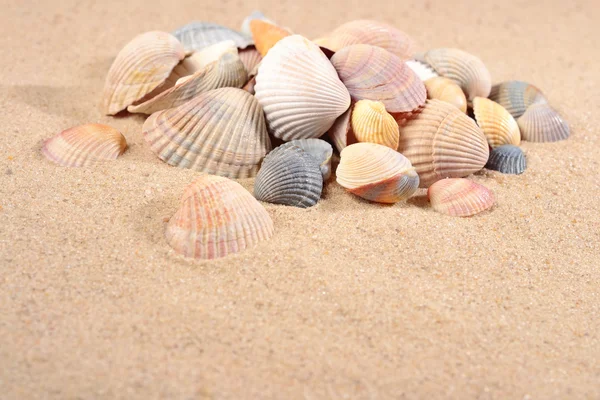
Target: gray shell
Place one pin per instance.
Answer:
(319, 149)
(289, 176)
(198, 35)
(516, 96)
(508, 159)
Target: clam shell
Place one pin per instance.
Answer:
(341, 133)
(541, 123)
(516, 96)
(251, 58)
(423, 70)
(266, 35)
(140, 67)
(508, 159)
(444, 89)
(376, 173)
(373, 73)
(289, 176)
(217, 217)
(220, 132)
(198, 35)
(299, 90)
(85, 145)
(245, 28)
(319, 149)
(372, 123)
(466, 70)
(459, 197)
(249, 86)
(498, 126)
(442, 142)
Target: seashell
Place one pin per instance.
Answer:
(289, 176)
(319, 149)
(266, 35)
(442, 142)
(245, 28)
(140, 67)
(459, 197)
(516, 96)
(508, 159)
(377, 173)
(85, 145)
(423, 70)
(198, 35)
(249, 86)
(541, 123)
(373, 73)
(217, 217)
(341, 133)
(251, 58)
(220, 132)
(444, 89)
(372, 123)
(299, 90)
(468, 71)
(498, 126)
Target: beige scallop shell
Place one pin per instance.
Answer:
(459, 197)
(498, 126)
(444, 89)
(541, 123)
(341, 133)
(372, 123)
(251, 58)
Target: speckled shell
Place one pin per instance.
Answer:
(373, 73)
(443, 142)
(140, 67)
(299, 90)
(220, 132)
(341, 132)
(245, 28)
(266, 35)
(498, 126)
(85, 145)
(541, 123)
(372, 123)
(444, 89)
(508, 159)
(251, 58)
(460, 197)
(516, 96)
(198, 35)
(319, 149)
(422, 69)
(217, 217)
(466, 70)
(376, 173)
(289, 176)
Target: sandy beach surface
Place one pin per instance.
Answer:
(349, 299)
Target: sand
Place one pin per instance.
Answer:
(349, 299)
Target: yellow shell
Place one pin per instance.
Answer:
(498, 126)
(266, 35)
(459, 197)
(444, 89)
(372, 123)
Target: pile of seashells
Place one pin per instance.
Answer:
(217, 99)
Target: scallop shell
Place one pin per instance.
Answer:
(289, 176)
(508, 159)
(198, 35)
(372, 123)
(498, 126)
(459, 197)
(220, 132)
(373, 73)
(217, 217)
(443, 142)
(444, 89)
(249, 86)
(516, 96)
(468, 71)
(341, 133)
(85, 145)
(251, 58)
(245, 28)
(541, 123)
(423, 70)
(266, 35)
(299, 90)
(319, 149)
(140, 67)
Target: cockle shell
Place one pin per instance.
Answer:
(423, 70)
(299, 90)
(341, 133)
(498, 126)
(266, 35)
(372, 123)
(508, 159)
(85, 145)
(245, 28)
(377, 173)
(443, 142)
(373, 73)
(319, 149)
(466, 70)
(289, 176)
(459, 197)
(251, 58)
(198, 35)
(220, 132)
(217, 217)
(541, 123)
(444, 89)
(140, 67)
(516, 96)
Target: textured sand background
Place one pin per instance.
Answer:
(349, 299)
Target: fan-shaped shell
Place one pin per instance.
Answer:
(460, 197)
(377, 173)
(245, 28)
(508, 159)
(443, 142)
(299, 90)
(85, 145)
(251, 58)
(422, 69)
(220, 132)
(541, 123)
(289, 176)
(266, 35)
(498, 126)
(373, 73)
(217, 217)
(198, 35)
(516, 96)
(140, 67)
(444, 89)
(341, 133)
(319, 149)
(372, 123)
